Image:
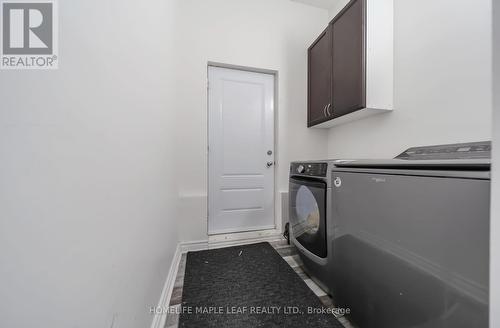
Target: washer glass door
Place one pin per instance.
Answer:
(307, 214)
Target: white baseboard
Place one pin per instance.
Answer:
(228, 241)
(161, 316)
(235, 239)
(257, 229)
(231, 239)
(192, 246)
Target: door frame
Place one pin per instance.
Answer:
(275, 74)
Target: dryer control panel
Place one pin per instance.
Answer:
(309, 169)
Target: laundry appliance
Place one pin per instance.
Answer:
(310, 188)
(410, 238)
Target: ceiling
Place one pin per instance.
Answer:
(325, 4)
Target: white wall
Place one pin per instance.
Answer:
(495, 193)
(87, 191)
(442, 81)
(256, 33)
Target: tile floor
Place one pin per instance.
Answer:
(289, 254)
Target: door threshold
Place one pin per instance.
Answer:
(240, 238)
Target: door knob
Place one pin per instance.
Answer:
(269, 164)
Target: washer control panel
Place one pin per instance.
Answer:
(454, 151)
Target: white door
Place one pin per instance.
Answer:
(241, 151)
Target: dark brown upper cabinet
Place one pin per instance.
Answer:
(320, 77)
(350, 65)
(348, 86)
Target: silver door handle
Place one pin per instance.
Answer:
(328, 109)
(324, 111)
(269, 164)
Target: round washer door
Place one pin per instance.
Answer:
(307, 211)
(307, 214)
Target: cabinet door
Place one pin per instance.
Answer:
(319, 78)
(348, 80)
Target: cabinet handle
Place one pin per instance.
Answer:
(328, 109)
(324, 111)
